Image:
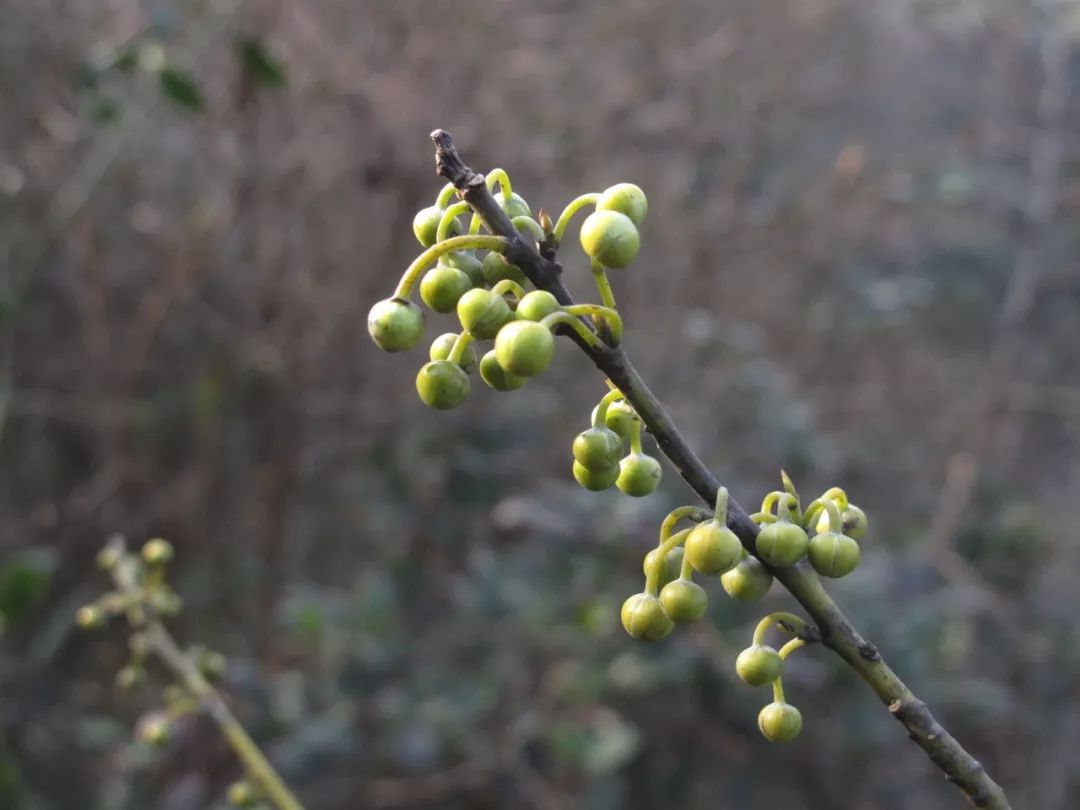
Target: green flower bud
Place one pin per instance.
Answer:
(241, 794)
(496, 376)
(395, 324)
(644, 619)
(157, 552)
(759, 665)
(626, 198)
(109, 556)
(90, 617)
(595, 480)
(853, 518)
(444, 344)
(855, 522)
(833, 554)
(524, 348)
(154, 729)
(130, 676)
(780, 722)
(442, 286)
(610, 238)
(639, 475)
(515, 206)
(466, 262)
(211, 663)
(782, 544)
(672, 566)
(748, 581)
(598, 449)
(620, 417)
(426, 225)
(496, 268)
(483, 313)
(442, 384)
(537, 305)
(166, 601)
(683, 600)
(713, 548)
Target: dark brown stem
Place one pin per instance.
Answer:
(836, 632)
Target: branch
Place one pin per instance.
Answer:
(180, 664)
(837, 633)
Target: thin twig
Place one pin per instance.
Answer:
(162, 643)
(837, 633)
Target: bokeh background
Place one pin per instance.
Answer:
(860, 264)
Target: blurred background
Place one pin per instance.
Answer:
(859, 264)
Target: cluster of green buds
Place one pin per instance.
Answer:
(489, 294)
(710, 548)
(762, 665)
(144, 597)
(600, 457)
(836, 523)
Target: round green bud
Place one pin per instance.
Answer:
(515, 206)
(644, 619)
(211, 663)
(241, 794)
(166, 601)
(595, 480)
(395, 324)
(496, 268)
(157, 552)
(483, 313)
(759, 665)
(713, 548)
(626, 198)
(672, 566)
(683, 600)
(780, 722)
(782, 544)
(426, 225)
(610, 238)
(639, 475)
(130, 676)
(853, 518)
(855, 522)
(442, 286)
(154, 729)
(620, 417)
(496, 376)
(598, 449)
(466, 262)
(442, 384)
(90, 617)
(537, 305)
(108, 557)
(748, 581)
(524, 348)
(444, 344)
(833, 554)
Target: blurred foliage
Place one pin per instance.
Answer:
(420, 609)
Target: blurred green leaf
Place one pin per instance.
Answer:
(24, 580)
(181, 88)
(259, 63)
